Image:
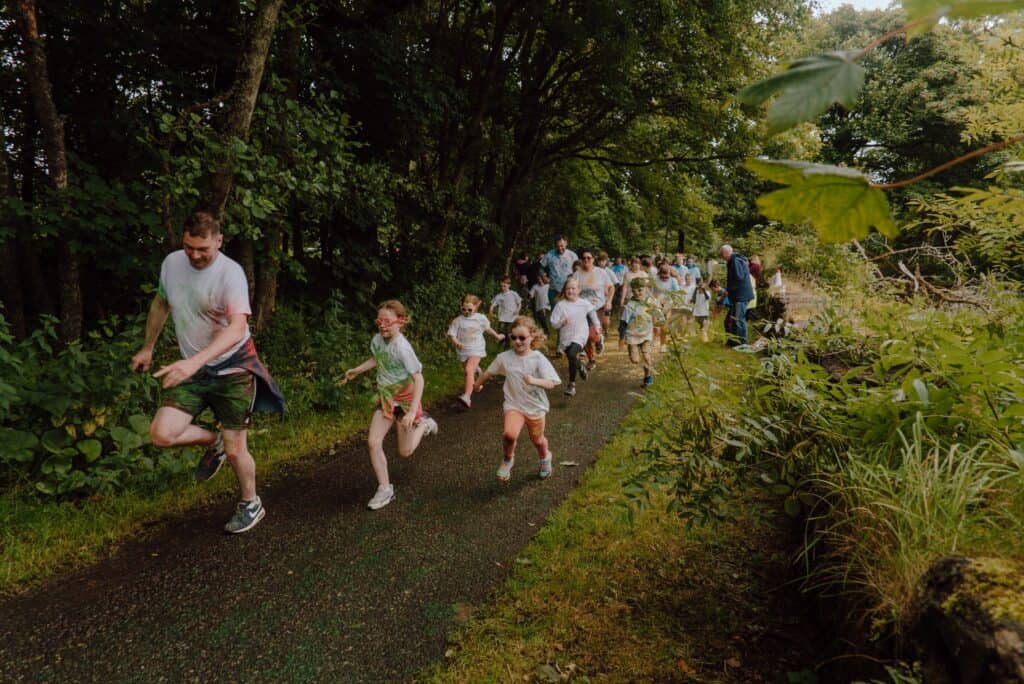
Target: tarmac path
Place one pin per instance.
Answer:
(322, 589)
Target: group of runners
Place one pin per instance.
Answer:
(206, 294)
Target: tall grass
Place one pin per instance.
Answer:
(880, 526)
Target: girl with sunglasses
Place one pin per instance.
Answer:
(467, 334)
(528, 373)
(399, 395)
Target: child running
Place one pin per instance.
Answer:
(541, 302)
(636, 326)
(467, 334)
(399, 393)
(508, 303)
(570, 318)
(701, 300)
(527, 374)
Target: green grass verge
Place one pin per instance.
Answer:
(40, 539)
(596, 595)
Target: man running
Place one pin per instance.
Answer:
(557, 263)
(207, 295)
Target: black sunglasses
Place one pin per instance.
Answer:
(518, 338)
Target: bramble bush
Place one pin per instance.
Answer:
(74, 421)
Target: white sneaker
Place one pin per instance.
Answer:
(505, 470)
(571, 390)
(431, 426)
(384, 496)
(466, 400)
(545, 467)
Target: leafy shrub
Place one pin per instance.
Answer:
(75, 421)
(799, 252)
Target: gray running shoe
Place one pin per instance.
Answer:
(211, 460)
(571, 389)
(583, 370)
(382, 498)
(247, 516)
(591, 366)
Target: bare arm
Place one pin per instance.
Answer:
(539, 382)
(481, 380)
(417, 395)
(358, 370)
(159, 309)
(225, 338)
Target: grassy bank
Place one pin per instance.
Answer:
(597, 595)
(40, 539)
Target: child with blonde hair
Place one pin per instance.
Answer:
(467, 334)
(528, 373)
(399, 395)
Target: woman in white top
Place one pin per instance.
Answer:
(570, 318)
(467, 334)
(528, 373)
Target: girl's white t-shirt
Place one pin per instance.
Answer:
(529, 400)
(396, 361)
(702, 302)
(576, 329)
(469, 331)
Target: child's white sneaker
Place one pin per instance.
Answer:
(466, 400)
(545, 467)
(505, 470)
(430, 426)
(385, 495)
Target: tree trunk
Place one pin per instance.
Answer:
(10, 284)
(242, 100)
(267, 266)
(52, 129)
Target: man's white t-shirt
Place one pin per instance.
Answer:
(508, 305)
(203, 300)
(594, 286)
(576, 329)
(469, 331)
(529, 400)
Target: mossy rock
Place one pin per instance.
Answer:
(967, 624)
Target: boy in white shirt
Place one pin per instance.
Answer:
(507, 302)
(541, 302)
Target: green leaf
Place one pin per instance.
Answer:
(807, 88)
(930, 11)
(139, 423)
(125, 437)
(55, 440)
(90, 448)
(839, 202)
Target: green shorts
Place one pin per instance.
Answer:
(230, 396)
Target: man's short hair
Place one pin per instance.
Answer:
(559, 237)
(202, 224)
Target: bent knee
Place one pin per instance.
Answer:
(161, 437)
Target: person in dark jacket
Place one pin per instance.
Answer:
(740, 290)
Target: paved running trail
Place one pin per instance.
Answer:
(322, 589)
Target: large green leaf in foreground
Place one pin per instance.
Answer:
(839, 202)
(954, 9)
(807, 88)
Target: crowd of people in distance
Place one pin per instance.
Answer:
(571, 297)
